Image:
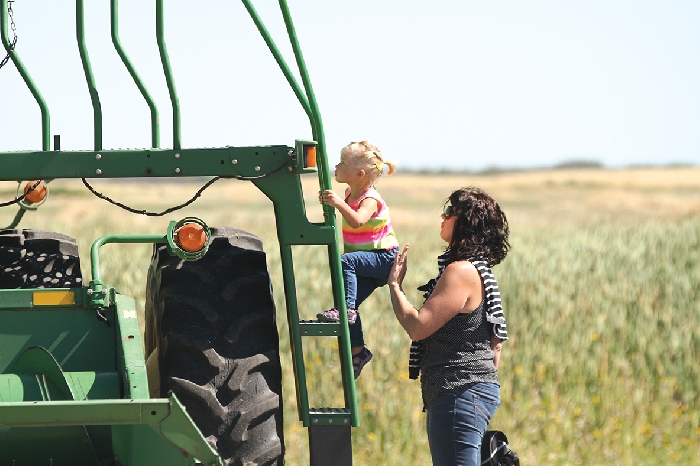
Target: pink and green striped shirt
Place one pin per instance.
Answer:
(376, 233)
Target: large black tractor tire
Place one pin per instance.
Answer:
(213, 321)
(38, 259)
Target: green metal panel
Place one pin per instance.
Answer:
(23, 300)
(85, 385)
(94, 385)
(37, 362)
(142, 446)
(45, 446)
(70, 335)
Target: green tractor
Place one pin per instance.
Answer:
(81, 384)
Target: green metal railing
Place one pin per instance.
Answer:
(160, 35)
(114, 15)
(89, 77)
(45, 117)
(259, 164)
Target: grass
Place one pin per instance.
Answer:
(601, 290)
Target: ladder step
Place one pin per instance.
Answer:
(329, 416)
(315, 328)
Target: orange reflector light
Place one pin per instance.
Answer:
(309, 156)
(191, 237)
(35, 196)
(53, 298)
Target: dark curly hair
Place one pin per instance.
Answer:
(480, 229)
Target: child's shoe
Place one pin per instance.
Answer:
(360, 359)
(332, 315)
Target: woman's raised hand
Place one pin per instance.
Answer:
(398, 270)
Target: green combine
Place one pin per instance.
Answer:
(77, 386)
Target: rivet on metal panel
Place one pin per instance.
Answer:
(98, 157)
(177, 155)
(234, 161)
(177, 170)
(98, 172)
(257, 169)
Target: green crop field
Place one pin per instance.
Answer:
(601, 290)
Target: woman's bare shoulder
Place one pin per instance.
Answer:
(461, 270)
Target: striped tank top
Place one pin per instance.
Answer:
(376, 233)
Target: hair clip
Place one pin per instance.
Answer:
(379, 165)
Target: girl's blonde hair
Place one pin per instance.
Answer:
(368, 157)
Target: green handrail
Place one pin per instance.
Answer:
(310, 106)
(85, 59)
(278, 57)
(160, 36)
(124, 239)
(114, 14)
(329, 215)
(45, 117)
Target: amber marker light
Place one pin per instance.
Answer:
(191, 237)
(309, 156)
(38, 195)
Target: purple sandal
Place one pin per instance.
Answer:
(360, 359)
(332, 315)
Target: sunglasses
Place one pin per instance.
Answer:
(449, 212)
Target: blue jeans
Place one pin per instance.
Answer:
(456, 423)
(364, 272)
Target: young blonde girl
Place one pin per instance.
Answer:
(368, 236)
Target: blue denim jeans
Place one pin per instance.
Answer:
(456, 423)
(364, 272)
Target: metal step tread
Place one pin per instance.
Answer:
(330, 416)
(319, 328)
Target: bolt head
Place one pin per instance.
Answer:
(98, 172)
(234, 161)
(257, 169)
(177, 170)
(177, 156)
(98, 157)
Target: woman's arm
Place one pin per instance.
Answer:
(496, 344)
(452, 293)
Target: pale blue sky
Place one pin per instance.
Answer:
(459, 84)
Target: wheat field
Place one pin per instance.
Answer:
(601, 291)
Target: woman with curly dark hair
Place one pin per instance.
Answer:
(458, 332)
